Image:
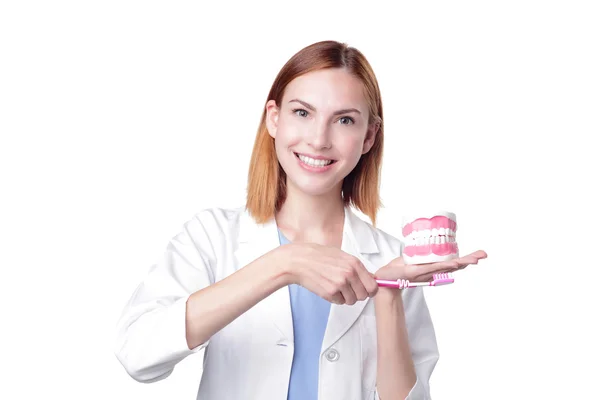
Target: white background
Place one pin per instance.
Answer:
(119, 120)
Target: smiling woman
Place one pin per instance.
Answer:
(324, 132)
(283, 292)
(326, 93)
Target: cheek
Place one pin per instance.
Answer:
(288, 134)
(351, 146)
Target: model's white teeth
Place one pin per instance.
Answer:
(439, 232)
(312, 162)
(432, 236)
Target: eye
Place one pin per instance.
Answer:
(346, 121)
(301, 112)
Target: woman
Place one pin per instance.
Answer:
(282, 292)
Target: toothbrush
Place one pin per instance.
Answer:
(438, 280)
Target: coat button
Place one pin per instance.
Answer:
(332, 355)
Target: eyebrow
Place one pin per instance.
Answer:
(339, 112)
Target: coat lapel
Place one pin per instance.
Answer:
(254, 240)
(357, 240)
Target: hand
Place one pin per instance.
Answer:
(329, 272)
(397, 269)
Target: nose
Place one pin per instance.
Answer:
(320, 137)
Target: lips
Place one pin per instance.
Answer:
(314, 164)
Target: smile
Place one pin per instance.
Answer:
(314, 163)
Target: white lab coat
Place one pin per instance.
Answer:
(251, 357)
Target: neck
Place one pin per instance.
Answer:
(304, 216)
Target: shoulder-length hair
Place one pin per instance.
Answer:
(266, 189)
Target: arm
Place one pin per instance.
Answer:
(395, 370)
(211, 309)
(179, 306)
(173, 312)
(406, 345)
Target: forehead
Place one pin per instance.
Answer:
(333, 87)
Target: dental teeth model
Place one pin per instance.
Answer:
(429, 237)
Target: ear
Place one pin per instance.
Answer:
(372, 132)
(272, 117)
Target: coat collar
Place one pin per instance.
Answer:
(358, 232)
(255, 239)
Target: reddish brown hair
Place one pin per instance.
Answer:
(266, 178)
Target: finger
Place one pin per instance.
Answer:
(472, 258)
(479, 254)
(322, 287)
(455, 263)
(434, 268)
(367, 282)
(371, 285)
(363, 283)
(463, 263)
(338, 299)
(425, 272)
(358, 287)
(349, 283)
(348, 294)
(332, 294)
(338, 286)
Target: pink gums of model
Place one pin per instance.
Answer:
(429, 238)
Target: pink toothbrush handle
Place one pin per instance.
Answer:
(438, 280)
(395, 284)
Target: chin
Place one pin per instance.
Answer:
(312, 188)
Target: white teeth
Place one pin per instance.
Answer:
(432, 236)
(312, 162)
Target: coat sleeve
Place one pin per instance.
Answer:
(151, 331)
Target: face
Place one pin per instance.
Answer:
(321, 129)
